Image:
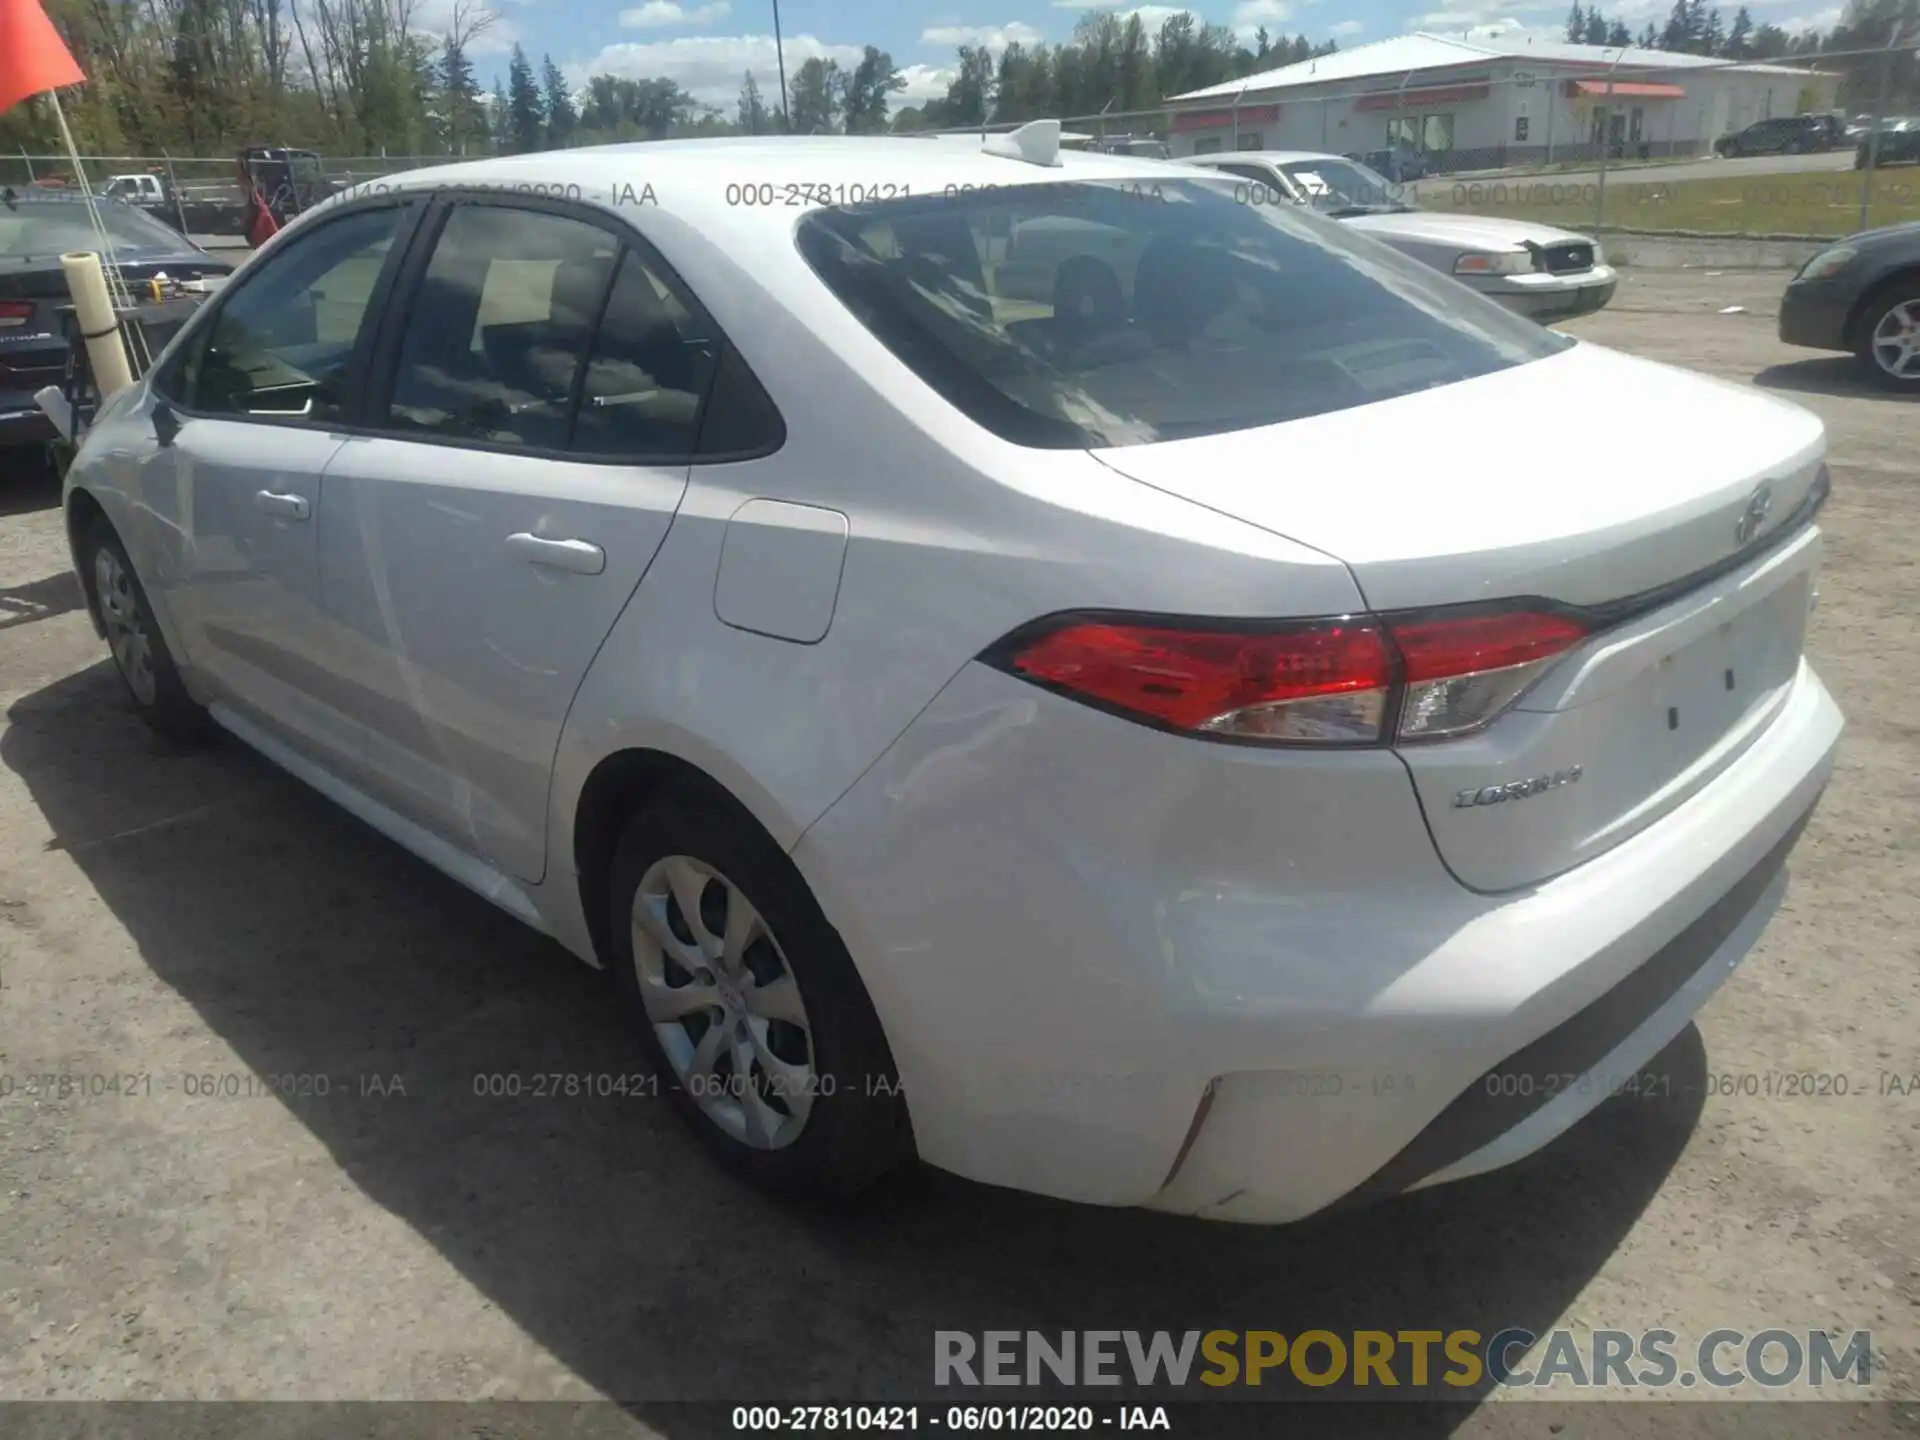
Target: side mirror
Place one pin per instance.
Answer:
(166, 424)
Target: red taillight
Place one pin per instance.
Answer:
(1437, 649)
(1334, 682)
(1463, 671)
(16, 312)
(1324, 682)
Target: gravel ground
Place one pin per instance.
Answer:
(177, 918)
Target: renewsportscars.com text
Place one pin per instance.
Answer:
(1379, 1360)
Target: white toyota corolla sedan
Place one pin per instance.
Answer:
(1016, 704)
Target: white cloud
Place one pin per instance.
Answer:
(989, 37)
(1145, 12)
(1347, 27)
(1260, 12)
(656, 14)
(1154, 16)
(1496, 21)
(1818, 20)
(924, 83)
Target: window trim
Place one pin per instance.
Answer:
(167, 374)
(383, 366)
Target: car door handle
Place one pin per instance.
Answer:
(579, 556)
(288, 507)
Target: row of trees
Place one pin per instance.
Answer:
(360, 77)
(1694, 27)
(1109, 63)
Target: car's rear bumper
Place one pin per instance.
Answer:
(1123, 967)
(1547, 298)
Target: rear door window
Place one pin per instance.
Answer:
(498, 330)
(1084, 314)
(648, 373)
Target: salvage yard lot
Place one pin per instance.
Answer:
(175, 919)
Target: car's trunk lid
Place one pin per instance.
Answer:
(1587, 479)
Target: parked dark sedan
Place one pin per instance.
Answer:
(1862, 294)
(1897, 143)
(1781, 135)
(38, 226)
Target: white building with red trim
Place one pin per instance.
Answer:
(1484, 103)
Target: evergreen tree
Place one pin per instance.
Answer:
(462, 116)
(1739, 35)
(502, 124)
(562, 118)
(1676, 36)
(753, 110)
(526, 120)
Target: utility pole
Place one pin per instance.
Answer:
(780, 54)
(1879, 115)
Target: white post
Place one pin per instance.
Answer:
(1606, 145)
(99, 325)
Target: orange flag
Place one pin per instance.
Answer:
(33, 57)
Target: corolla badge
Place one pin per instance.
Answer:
(1755, 515)
(1516, 789)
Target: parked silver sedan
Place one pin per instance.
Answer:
(1540, 271)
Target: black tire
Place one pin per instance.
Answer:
(1872, 311)
(162, 698)
(857, 1132)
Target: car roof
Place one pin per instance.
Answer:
(748, 185)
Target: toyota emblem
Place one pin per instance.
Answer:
(1755, 515)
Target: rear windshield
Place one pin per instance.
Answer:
(1086, 315)
(44, 229)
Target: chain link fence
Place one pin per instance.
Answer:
(1735, 162)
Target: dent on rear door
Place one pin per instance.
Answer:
(457, 656)
(472, 565)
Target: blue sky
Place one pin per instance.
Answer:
(707, 44)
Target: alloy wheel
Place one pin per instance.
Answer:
(723, 1002)
(1895, 343)
(126, 629)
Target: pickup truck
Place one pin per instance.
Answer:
(210, 209)
(147, 190)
